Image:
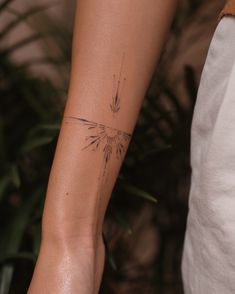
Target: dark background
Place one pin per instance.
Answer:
(146, 218)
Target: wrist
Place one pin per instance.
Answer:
(69, 239)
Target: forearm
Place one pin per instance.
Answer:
(116, 47)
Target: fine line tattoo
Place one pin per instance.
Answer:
(118, 86)
(113, 141)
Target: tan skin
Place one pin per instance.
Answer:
(116, 47)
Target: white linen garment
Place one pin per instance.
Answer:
(208, 262)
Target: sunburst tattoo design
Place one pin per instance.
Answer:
(118, 86)
(113, 141)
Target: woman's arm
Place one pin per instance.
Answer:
(116, 46)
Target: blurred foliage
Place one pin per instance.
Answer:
(156, 163)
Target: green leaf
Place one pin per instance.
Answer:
(20, 255)
(44, 127)
(4, 182)
(154, 151)
(121, 221)
(3, 148)
(12, 177)
(15, 177)
(112, 261)
(5, 278)
(135, 191)
(12, 236)
(36, 142)
(109, 255)
(36, 239)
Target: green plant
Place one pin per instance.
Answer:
(29, 122)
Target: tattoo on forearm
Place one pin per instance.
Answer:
(113, 141)
(118, 87)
